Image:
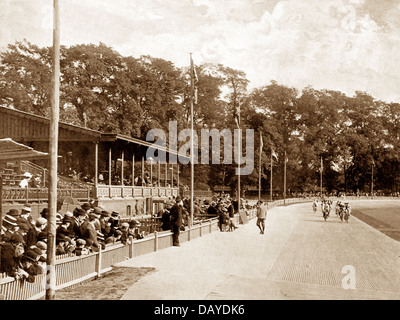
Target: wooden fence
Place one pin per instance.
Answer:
(71, 270)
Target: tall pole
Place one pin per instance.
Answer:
(321, 176)
(239, 152)
(191, 139)
(270, 181)
(109, 167)
(284, 180)
(372, 179)
(53, 150)
(259, 169)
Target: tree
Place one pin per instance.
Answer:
(25, 78)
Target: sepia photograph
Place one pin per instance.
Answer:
(197, 158)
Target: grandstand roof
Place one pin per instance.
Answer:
(11, 151)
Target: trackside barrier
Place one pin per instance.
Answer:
(72, 270)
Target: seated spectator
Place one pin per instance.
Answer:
(126, 238)
(81, 248)
(26, 215)
(89, 233)
(105, 225)
(11, 253)
(64, 227)
(9, 227)
(32, 236)
(64, 245)
(134, 229)
(29, 264)
(45, 213)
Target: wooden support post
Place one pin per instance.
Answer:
(109, 166)
(53, 152)
(122, 168)
(96, 164)
(133, 170)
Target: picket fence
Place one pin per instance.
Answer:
(72, 270)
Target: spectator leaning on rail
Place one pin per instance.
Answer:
(11, 253)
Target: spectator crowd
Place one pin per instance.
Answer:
(23, 239)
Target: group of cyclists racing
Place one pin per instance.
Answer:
(342, 209)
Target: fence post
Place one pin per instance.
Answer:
(155, 240)
(201, 228)
(210, 225)
(189, 232)
(98, 263)
(131, 250)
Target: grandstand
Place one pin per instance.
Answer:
(107, 168)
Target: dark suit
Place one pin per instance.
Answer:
(176, 222)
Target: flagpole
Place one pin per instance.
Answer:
(284, 181)
(259, 169)
(321, 177)
(270, 182)
(239, 154)
(191, 141)
(53, 151)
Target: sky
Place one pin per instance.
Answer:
(344, 45)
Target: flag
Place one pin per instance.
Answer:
(194, 80)
(274, 154)
(237, 115)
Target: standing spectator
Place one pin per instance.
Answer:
(231, 212)
(176, 220)
(261, 216)
(165, 218)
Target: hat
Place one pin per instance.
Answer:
(68, 214)
(28, 175)
(31, 255)
(67, 219)
(17, 238)
(92, 216)
(60, 237)
(133, 223)
(100, 236)
(45, 213)
(37, 251)
(10, 220)
(79, 212)
(41, 221)
(97, 210)
(115, 214)
(86, 206)
(178, 199)
(105, 214)
(41, 245)
(13, 213)
(125, 225)
(42, 236)
(26, 208)
(80, 242)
